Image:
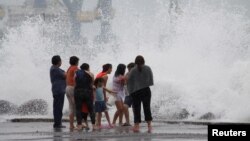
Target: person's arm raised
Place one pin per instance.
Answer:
(110, 91)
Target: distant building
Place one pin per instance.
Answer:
(48, 9)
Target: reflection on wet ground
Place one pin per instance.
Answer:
(44, 131)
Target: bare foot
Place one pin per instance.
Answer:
(71, 127)
(135, 129)
(79, 127)
(111, 125)
(150, 129)
(84, 126)
(95, 128)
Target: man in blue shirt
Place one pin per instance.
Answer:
(58, 81)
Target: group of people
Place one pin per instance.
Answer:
(87, 94)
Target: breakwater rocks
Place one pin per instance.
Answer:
(7, 107)
(208, 116)
(31, 107)
(182, 114)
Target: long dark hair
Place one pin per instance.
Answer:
(121, 68)
(139, 61)
(131, 65)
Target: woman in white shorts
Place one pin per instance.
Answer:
(118, 86)
(70, 80)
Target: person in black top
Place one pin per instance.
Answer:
(84, 93)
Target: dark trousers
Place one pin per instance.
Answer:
(84, 95)
(142, 96)
(58, 101)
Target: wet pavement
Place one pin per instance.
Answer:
(44, 131)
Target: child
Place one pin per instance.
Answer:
(100, 105)
(85, 112)
(106, 69)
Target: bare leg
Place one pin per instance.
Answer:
(120, 117)
(86, 123)
(72, 107)
(126, 113)
(149, 126)
(71, 121)
(94, 127)
(96, 119)
(115, 117)
(120, 111)
(99, 116)
(107, 117)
